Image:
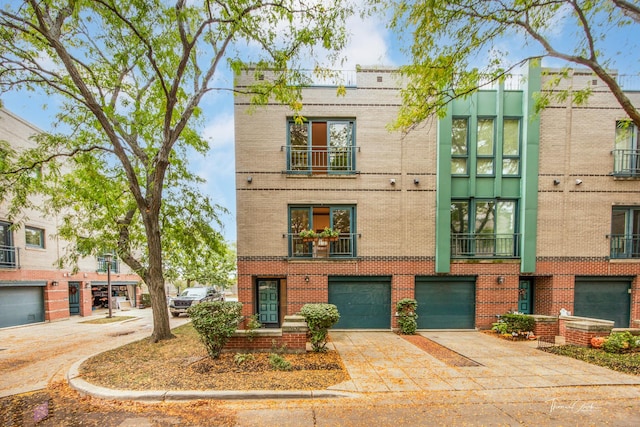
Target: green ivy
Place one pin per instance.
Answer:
(320, 317)
(215, 322)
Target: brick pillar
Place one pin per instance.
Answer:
(86, 299)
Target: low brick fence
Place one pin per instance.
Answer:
(291, 338)
(574, 329)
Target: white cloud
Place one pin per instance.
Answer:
(368, 43)
(219, 131)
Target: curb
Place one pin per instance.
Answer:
(154, 396)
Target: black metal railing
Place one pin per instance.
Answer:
(468, 245)
(343, 247)
(626, 162)
(625, 246)
(9, 257)
(336, 160)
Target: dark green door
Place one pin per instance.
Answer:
(603, 298)
(363, 302)
(525, 296)
(445, 303)
(74, 298)
(268, 302)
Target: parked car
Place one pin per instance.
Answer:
(190, 296)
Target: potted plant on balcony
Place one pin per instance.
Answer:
(308, 235)
(330, 234)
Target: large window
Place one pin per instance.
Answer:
(511, 147)
(459, 143)
(321, 147)
(626, 157)
(625, 232)
(34, 237)
(317, 218)
(485, 147)
(484, 228)
(102, 265)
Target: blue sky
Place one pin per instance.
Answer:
(371, 44)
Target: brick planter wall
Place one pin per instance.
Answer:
(545, 326)
(292, 338)
(580, 332)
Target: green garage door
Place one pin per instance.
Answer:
(446, 303)
(363, 302)
(603, 298)
(21, 305)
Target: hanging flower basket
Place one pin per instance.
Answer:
(330, 234)
(308, 236)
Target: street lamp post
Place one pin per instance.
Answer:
(107, 260)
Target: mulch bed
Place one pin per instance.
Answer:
(440, 352)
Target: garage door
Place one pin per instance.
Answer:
(363, 302)
(20, 305)
(446, 303)
(603, 298)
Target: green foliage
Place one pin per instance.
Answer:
(320, 317)
(514, 322)
(407, 316)
(251, 325)
(457, 46)
(215, 322)
(241, 358)
(145, 299)
(308, 234)
(625, 362)
(279, 363)
(620, 342)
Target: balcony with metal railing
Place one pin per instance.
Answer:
(626, 162)
(9, 256)
(625, 246)
(469, 245)
(320, 160)
(344, 246)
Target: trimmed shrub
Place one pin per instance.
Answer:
(407, 317)
(620, 342)
(319, 317)
(215, 322)
(514, 323)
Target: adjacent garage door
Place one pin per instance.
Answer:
(446, 303)
(363, 302)
(20, 305)
(603, 298)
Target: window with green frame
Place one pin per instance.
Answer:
(484, 228)
(459, 146)
(511, 147)
(485, 147)
(626, 153)
(625, 232)
(34, 237)
(339, 218)
(321, 146)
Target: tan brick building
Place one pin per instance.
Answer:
(32, 288)
(490, 209)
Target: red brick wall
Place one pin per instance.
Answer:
(553, 281)
(546, 329)
(288, 342)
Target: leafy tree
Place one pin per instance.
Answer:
(131, 75)
(458, 45)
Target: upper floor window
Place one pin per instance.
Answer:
(459, 144)
(485, 147)
(625, 232)
(321, 147)
(34, 237)
(485, 228)
(511, 147)
(626, 157)
(8, 252)
(338, 218)
(102, 265)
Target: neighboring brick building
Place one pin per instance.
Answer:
(32, 288)
(490, 209)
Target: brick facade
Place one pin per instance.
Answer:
(396, 222)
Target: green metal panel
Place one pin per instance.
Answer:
(268, 301)
(511, 188)
(443, 193)
(484, 188)
(363, 302)
(445, 302)
(529, 159)
(21, 305)
(487, 103)
(603, 298)
(513, 102)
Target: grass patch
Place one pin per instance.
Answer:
(628, 363)
(182, 363)
(108, 320)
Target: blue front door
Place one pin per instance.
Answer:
(74, 297)
(525, 297)
(268, 302)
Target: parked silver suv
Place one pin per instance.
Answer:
(190, 296)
